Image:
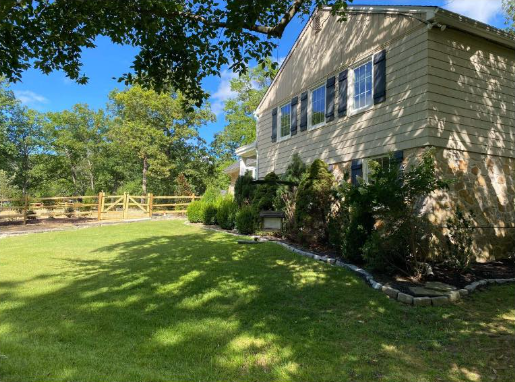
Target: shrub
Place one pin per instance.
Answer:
(195, 211)
(244, 189)
(459, 240)
(287, 194)
(313, 203)
(246, 221)
(226, 213)
(386, 229)
(209, 213)
(211, 195)
(265, 195)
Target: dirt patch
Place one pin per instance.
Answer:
(61, 224)
(43, 224)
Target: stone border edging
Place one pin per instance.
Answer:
(405, 298)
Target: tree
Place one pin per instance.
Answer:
(23, 140)
(239, 111)
(77, 136)
(155, 128)
(508, 7)
(180, 42)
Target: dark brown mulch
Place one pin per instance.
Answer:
(498, 269)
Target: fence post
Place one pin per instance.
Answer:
(100, 204)
(125, 205)
(150, 204)
(25, 208)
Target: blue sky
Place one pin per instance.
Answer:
(107, 62)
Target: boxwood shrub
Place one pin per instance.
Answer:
(246, 221)
(195, 211)
(226, 214)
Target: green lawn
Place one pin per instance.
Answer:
(162, 301)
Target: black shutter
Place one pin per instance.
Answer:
(304, 111)
(380, 77)
(356, 170)
(274, 125)
(329, 99)
(342, 94)
(398, 157)
(294, 102)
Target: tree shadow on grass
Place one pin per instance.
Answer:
(201, 307)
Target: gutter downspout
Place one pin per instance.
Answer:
(256, 116)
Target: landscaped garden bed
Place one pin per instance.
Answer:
(377, 226)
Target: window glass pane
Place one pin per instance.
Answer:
(318, 106)
(285, 120)
(363, 86)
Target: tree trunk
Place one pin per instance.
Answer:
(91, 177)
(72, 170)
(145, 170)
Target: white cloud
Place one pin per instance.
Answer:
(481, 10)
(223, 92)
(29, 98)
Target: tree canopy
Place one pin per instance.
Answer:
(180, 41)
(142, 142)
(239, 110)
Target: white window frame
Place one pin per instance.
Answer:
(350, 87)
(279, 115)
(310, 106)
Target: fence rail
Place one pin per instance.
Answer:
(99, 206)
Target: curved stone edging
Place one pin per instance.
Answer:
(405, 298)
(394, 293)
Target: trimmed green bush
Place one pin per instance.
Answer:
(226, 214)
(209, 216)
(195, 211)
(246, 221)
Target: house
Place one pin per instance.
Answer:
(398, 79)
(246, 162)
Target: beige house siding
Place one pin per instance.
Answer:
(324, 54)
(471, 93)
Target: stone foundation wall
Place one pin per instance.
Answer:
(482, 184)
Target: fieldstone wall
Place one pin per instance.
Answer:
(481, 184)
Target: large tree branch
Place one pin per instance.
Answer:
(272, 31)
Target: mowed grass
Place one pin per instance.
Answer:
(163, 301)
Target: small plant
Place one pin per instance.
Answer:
(69, 212)
(246, 221)
(195, 211)
(226, 214)
(459, 241)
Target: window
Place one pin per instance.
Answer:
(317, 116)
(285, 121)
(363, 86)
(383, 161)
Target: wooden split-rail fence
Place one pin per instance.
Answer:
(100, 207)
